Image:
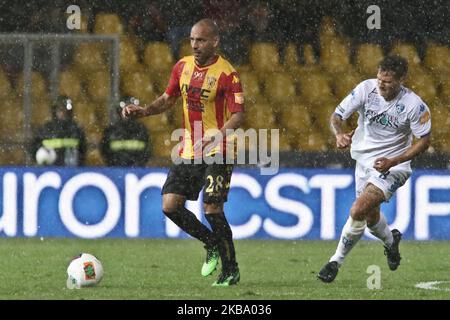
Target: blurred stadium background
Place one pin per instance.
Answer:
(297, 60)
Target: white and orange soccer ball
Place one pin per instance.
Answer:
(84, 270)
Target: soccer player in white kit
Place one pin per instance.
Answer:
(389, 114)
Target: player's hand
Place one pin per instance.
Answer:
(383, 164)
(133, 111)
(343, 140)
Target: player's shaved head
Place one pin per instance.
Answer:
(210, 25)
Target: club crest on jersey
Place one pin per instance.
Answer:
(210, 81)
(399, 108)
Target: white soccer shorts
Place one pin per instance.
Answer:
(388, 182)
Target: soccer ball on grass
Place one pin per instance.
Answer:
(85, 270)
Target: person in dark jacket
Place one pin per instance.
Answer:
(126, 142)
(63, 135)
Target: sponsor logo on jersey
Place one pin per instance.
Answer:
(194, 91)
(195, 105)
(384, 119)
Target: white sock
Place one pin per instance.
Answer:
(381, 231)
(351, 233)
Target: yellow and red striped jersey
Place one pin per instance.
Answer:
(210, 95)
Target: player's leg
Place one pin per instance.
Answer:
(179, 187)
(353, 230)
(215, 194)
(173, 208)
(377, 224)
(388, 183)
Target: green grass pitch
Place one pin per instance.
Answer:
(170, 269)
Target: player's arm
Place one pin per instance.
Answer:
(161, 104)
(343, 140)
(235, 121)
(384, 164)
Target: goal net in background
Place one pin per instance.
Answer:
(37, 68)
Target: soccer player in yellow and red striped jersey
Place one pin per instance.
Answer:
(212, 99)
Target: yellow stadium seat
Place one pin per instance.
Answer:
(264, 57)
(250, 84)
(84, 114)
(312, 141)
(322, 112)
(12, 156)
(108, 23)
(440, 120)
(284, 141)
(422, 83)
(345, 83)
(260, 116)
(315, 88)
(368, 56)
(11, 129)
(40, 112)
(158, 57)
(138, 84)
(5, 85)
(129, 59)
(445, 89)
(407, 51)
(38, 86)
(309, 57)
(162, 144)
(327, 27)
(279, 88)
(291, 59)
(89, 56)
(335, 56)
(437, 58)
(99, 86)
(159, 122)
(295, 118)
(84, 24)
(94, 158)
(69, 84)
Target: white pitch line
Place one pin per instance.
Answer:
(432, 285)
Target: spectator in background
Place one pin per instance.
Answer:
(180, 16)
(146, 21)
(63, 135)
(229, 16)
(126, 142)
